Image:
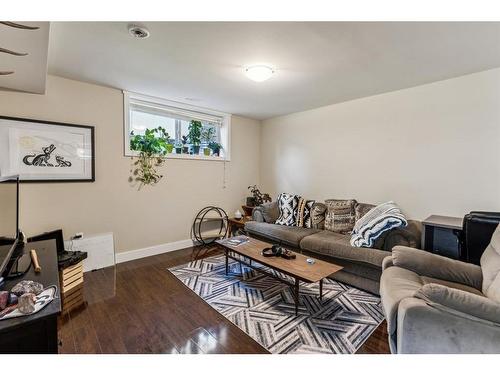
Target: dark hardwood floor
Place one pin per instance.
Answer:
(139, 307)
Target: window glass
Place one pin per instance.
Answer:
(144, 114)
(140, 121)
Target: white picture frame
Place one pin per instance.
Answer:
(46, 151)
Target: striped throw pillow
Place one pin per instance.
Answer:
(374, 223)
(304, 213)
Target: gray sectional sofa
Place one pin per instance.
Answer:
(362, 266)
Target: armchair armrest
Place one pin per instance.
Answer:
(460, 302)
(266, 213)
(437, 266)
(387, 262)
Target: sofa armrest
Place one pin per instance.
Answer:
(257, 215)
(431, 265)
(460, 302)
(266, 213)
(407, 236)
(424, 329)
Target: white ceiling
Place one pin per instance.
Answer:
(316, 63)
(30, 71)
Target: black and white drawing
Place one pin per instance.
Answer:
(46, 151)
(43, 159)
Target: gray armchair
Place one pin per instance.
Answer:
(435, 304)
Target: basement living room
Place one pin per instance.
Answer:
(250, 188)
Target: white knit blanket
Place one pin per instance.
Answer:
(374, 223)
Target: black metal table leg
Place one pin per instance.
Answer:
(296, 296)
(227, 261)
(321, 290)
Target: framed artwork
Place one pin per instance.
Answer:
(46, 151)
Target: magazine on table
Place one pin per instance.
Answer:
(236, 241)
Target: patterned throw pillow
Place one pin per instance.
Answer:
(288, 206)
(318, 211)
(340, 215)
(304, 213)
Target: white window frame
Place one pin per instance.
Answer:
(184, 109)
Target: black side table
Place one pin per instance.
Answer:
(37, 333)
(441, 235)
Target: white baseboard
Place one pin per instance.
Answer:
(152, 250)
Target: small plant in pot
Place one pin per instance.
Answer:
(215, 147)
(257, 197)
(185, 149)
(207, 137)
(152, 147)
(194, 135)
(178, 147)
(170, 145)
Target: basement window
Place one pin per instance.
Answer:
(143, 112)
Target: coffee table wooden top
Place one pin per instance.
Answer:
(297, 267)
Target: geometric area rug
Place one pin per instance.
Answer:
(264, 308)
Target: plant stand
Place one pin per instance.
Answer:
(215, 218)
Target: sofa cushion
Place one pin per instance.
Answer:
(490, 267)
(318, 213)
(431, 280)
(337, 245)
(269, 211)
(304, 213)
(290, 236)
(459, 302)
(340, 216)
(398, 283)
(288, 206)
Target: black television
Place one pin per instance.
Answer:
(10, 235)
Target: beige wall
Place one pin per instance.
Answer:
(152, 216)
(434, 149)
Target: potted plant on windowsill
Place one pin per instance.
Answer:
(178, 147)
(170, 145)
(185, 149)
(207, 137)
(152, 147)
(215, 147)
(194, 135)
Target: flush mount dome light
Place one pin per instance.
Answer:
(138, 32)
(259, 73)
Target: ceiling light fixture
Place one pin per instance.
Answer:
(259, 73)
(138, 32)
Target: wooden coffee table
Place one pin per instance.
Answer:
(297, 268)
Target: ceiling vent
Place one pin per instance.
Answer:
(138, 32)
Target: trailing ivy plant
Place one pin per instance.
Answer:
(152, 147)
